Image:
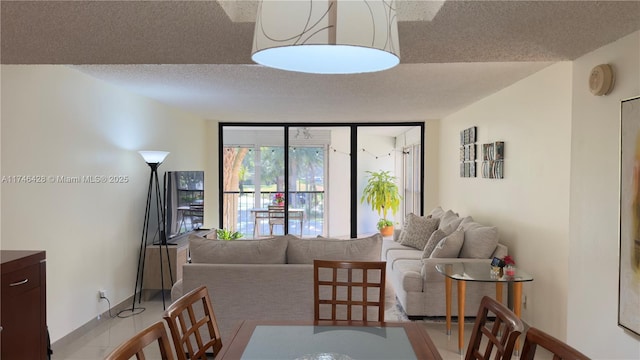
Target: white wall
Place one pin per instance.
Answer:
(431, 155)
(59, 122)
(593, 266)
(338, 190)
(530, 206)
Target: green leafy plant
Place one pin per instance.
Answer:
(384, 223)
(382, 194)
(224, 234)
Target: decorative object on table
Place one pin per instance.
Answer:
(382, 194)
(153, 159)
(225, 234)
(629, 246)
(468, 152)
(327, 36)
(497, 267)
(503, 266)
(493, 160)
(279, 199)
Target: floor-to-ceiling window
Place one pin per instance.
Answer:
(308, 168)
(320, 175)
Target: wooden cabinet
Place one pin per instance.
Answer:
(23, 314)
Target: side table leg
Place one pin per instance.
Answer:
(447, 294)
(499, 292)
(462, 287)
(517, 304)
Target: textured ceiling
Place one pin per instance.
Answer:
(468, 50)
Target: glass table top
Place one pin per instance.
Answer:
(309, 342)
(477, 271)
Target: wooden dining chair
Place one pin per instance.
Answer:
(276, 217)
(499, 336)
(136, 346)
(560, 350)
(349, 290)
(297, 216)
(193, 326)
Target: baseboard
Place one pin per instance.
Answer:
(64, 341)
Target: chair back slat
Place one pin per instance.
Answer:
(193, 326)
(500, 336)
(349, 290)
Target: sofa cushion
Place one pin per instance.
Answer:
(450, 246)
(466, 220)
(394, 256)
(304, 251)
(263, 251)
(419, 230)
(437, 212)
(449, 218)
(390, 245)
(403, 231)
(480, 241)
(435, 238)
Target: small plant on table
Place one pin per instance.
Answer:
(224, 234)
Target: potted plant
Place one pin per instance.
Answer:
(224, 234)
(279, 199)
(382, 194)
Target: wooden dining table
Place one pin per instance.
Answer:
(336, 340)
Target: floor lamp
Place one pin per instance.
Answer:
(153, 159)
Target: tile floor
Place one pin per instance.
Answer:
(100, 341)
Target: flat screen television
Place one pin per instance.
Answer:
(184, 203)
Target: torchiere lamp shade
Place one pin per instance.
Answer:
(327, 36)
(153, 157)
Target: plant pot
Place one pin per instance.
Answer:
(387, 231)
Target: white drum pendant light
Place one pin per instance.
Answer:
(327, 36)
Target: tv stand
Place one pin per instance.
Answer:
(206, 233)
(178, 248)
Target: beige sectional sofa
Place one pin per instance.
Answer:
(264, 279)
(411, 263)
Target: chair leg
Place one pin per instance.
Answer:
(255, 228)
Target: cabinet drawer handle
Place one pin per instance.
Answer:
(20, 282)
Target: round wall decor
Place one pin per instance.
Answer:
(601, 80)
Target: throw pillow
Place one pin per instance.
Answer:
(449, 218)
(480, 241)
(405, 225)
(263, 251)
(435, 239)
(436, 212)
(466, 220)
(419, 230)
(450, 246)
(304, 251)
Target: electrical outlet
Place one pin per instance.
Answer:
(102, 294)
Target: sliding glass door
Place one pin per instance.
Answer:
(252, 175)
